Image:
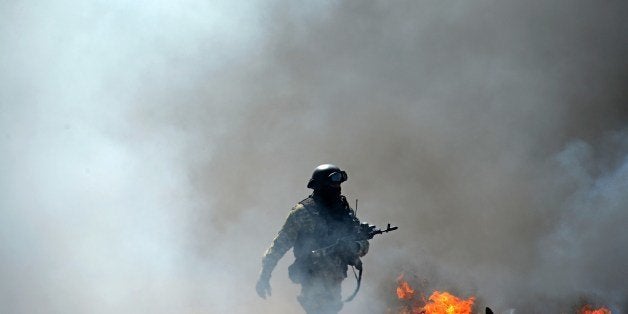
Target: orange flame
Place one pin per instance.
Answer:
(404, 290)
(587, 309)
(446, 303)
(439, 302)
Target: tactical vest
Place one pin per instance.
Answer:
(325, 226)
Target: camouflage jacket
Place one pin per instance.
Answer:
(312, 225)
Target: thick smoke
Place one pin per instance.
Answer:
(153, 151)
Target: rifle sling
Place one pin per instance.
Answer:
(357, 288)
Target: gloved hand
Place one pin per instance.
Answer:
(263, 286)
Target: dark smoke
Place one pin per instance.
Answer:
(494, 134)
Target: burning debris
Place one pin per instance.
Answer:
(588, 309)
(446, 303)
(438, 303)
(404, 290)
(413, 301)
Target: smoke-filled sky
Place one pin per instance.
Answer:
(150, 151)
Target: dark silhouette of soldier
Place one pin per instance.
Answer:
(323, 220)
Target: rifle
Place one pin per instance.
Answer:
(373, 231)
(366, 231)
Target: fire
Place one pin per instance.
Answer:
(404, 290)
(413, 301)
(438, 302)
(446, 303)
(587, 309)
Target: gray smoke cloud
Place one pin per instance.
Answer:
(152, 151)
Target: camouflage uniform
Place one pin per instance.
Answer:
(312, 225)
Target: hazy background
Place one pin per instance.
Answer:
(150, 151)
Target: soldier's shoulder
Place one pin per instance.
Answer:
(297, 208)
(307, 201)
(300, 215)
(302, 205)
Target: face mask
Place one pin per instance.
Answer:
(328, 193)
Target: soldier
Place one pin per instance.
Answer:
(323, 220)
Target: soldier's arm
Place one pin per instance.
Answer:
(363, 244)
(364, 247)
(282, 243)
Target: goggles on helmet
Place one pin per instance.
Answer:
(338, 176)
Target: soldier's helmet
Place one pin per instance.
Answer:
(326, 174)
